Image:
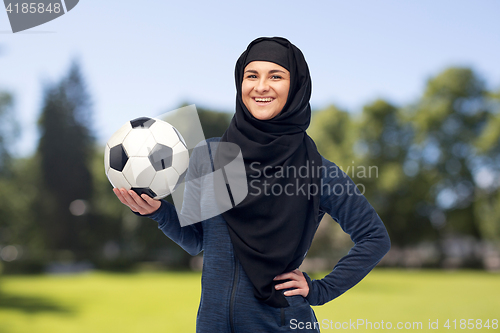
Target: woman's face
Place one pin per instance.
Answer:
(264, 89)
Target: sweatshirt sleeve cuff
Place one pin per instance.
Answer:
(312, 296)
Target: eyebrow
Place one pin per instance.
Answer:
(270, 72)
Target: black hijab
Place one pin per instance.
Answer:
(272, 233)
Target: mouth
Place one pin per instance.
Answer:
(262, 101)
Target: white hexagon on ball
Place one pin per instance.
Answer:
(164, 182)
(180, 157)
(136, 142)
(164, 133)
(117, 179)
(139, 172)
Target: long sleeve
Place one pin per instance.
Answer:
(190, 237)
(350, 209)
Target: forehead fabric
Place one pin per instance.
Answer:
(268, 50)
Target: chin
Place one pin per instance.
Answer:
(263, 115)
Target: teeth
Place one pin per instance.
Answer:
(263, 99)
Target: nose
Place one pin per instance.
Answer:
(261, 86)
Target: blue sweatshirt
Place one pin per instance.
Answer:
(227, 302)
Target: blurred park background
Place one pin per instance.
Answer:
(423, 143)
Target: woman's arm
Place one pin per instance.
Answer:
(189, 234)
(189, 237)
(356, 217)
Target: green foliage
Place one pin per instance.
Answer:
(487, 212)
(371, 149)
(386, 135)
(331, 130)
(214, 123)
(18, 220)
(488, 141)
(17, 192)
(448, 121)
(9, 131)
(426, 155)
(64, 152)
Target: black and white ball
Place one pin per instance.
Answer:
(148, 156)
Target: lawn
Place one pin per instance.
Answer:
(167, 302)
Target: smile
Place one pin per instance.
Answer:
(263, 99)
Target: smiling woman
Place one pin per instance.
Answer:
(252, 252)
(264, 89)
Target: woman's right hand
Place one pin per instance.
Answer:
(143, 204)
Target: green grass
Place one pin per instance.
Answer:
(167, 302)
(418, 296)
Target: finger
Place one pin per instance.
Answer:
(130, 201)
(123, 200)
(138, 200)
(119, 195)
(153, 203)
(148, 199)
(298, 291)
(144, 207)
(286, 285)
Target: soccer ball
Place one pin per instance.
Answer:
(148, 156)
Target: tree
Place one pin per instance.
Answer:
(448, 119)
(487, 206)
(214, 123)
(384, 136)
(64, 153)
(9, 131)
(332, 131)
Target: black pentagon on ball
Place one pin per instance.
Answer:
(160, 157)
(144, 190)
(142, 122)
(117, 158)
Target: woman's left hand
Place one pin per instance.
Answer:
(298, 282)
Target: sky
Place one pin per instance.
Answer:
(147, 58)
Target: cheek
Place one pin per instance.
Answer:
(245, 91)
(246, 88)
(283, 92)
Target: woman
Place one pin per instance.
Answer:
(251, 281)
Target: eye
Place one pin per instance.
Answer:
(251, 76)
(276, 77)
